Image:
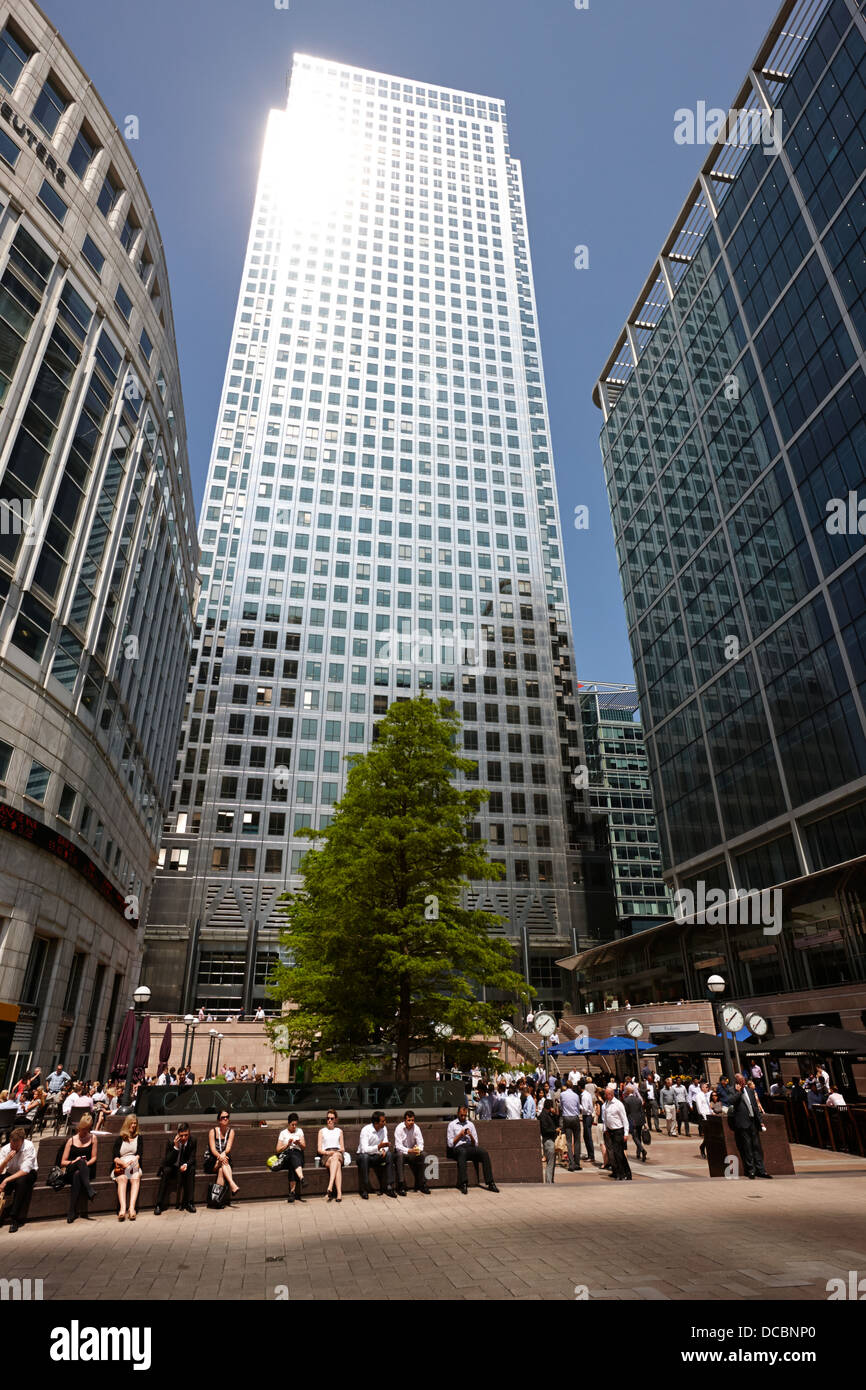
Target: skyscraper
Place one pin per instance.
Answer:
(734, 431)
(380, 520)
(97, 554)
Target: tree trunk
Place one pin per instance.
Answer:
(404, 1031)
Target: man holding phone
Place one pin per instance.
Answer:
(374, 1151)
(178, 1166)
(462, 1145)
(409, 1152)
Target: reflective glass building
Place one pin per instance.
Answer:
(734, 431)
(98, 552)
(380, 520)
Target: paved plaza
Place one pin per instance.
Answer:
(671, 1234)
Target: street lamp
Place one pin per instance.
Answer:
(189, 1022)
(210, 1048)
(140, 999)
(716, 986)
(216, 1069)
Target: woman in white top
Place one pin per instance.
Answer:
(292, 1142)
(331, 1151)
(127, 1154)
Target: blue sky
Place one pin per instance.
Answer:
(591, 96)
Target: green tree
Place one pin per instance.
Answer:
(380, 948)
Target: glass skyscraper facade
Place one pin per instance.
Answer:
(619, 791)
(734, 428)
(380, 521)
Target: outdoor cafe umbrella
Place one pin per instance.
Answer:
(622, 1044)
(576, 1047)
(702, 1043)
(818, 1041)
(164, 1048)
(142, 1052)
(124, 1045)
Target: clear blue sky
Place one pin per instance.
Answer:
(591, 96)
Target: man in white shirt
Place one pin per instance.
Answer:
(615, 1123)
(374, 1151)
(681, 1100)
(18, 1173)
(462, 1145)
(513, 1102)
(57, 1080)
(259, 1015)
(703, 1108)
(409, 1152)
(587, 1119)
(230, 1073)
(836, 1098)
(574, 1076)
(77, 1099)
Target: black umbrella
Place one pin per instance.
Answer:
(703, 1043)
(818, 1041)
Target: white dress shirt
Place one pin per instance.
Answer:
(371, 1138)
(80, 1102)
(587, 1104)
(22, 1162)
(702, 1104)
(454, 1129)
(406, 1137)
(613, 1115)
(512, 1104)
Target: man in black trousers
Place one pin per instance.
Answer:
(462, 1145)
(178, 1166)
(745, 1116)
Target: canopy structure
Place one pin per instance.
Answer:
(597, 1046)
(705, 1044)
(818, 1041)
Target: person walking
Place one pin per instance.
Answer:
(614, 1121)
(548, 1123)
(332, 1150)
(745, 1114)
(682, 1104)
(649, 1091)
(636, 1119)
(703, 1108)
(669, 1105)
(588, 1118)
(569, 1105)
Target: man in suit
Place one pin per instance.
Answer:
(178, 1166)
(634, 1108)
(745, 1115)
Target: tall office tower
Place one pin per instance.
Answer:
(97, 554)
(619, 791)
(380, 520)
(734, 414)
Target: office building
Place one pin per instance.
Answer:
(380, 521)
(98, 553)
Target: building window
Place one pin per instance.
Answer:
(123, 302)
(220, 857)
(9, 151)
(67, 802)
(247, 861)
(82, 153)
(13, 57)
(129, 230)
(5, 759)
(92, 254)
(108, 194)
(49, 107)
(37, 782)
(51, 199)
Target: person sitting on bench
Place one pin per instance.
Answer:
(18, 1173)
(178, 1168)
(374, 1151)
(463, 1147)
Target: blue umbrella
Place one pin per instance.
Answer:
(576, 1047)
(623, 1045)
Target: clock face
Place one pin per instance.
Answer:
(758, 1025)
(545, 1024)
(507, 1030)
(733, 1018)
(634, 1028)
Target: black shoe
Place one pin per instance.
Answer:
(365, 1196)
(70, 1219)
(389, 1192)
(331, 1194)
(491, 1187)
(425, 1191)
(575, 1170)
(751, 1177)
(13, 1227)
(401, 1192)
(157, 1211)
(464, 1188)
(291, 1197)
(627, 1177)
(299, 1198)
(191, 1207)
(85, 1216)
(765, 1175)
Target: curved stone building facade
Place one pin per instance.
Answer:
(98, 552)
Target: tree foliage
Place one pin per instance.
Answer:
(380, 948)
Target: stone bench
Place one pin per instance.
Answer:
(514, 1148)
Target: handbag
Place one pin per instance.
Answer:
(645, 1136)
(56, 1178)
(218, 1196)
(277, 1162)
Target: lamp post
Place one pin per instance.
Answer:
(716, 985)
(218, 1051)
(140, 999)
(189, 1023)
(210, 1048)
